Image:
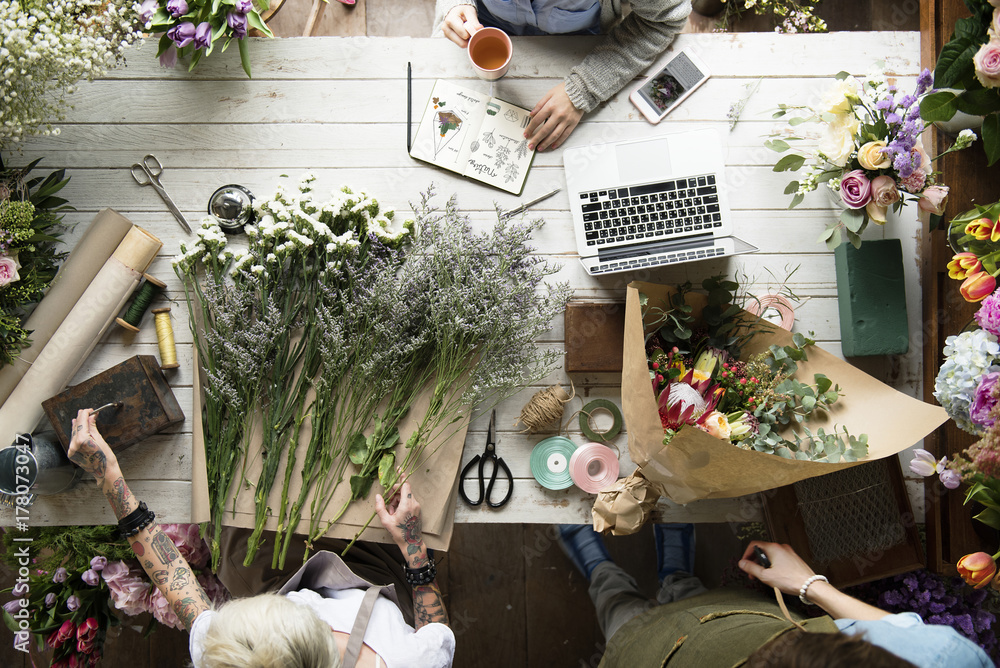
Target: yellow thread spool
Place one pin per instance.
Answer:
(165, 337)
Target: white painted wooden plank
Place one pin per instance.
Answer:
(247, 102)
(727, 55)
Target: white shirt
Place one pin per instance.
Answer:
(395, 641)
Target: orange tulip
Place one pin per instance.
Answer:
(977, 569)
(962, 265)
(977, 287)
(983, 229)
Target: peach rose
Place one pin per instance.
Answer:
(717, 424)
(871, 156)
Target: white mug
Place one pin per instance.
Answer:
(490, 51)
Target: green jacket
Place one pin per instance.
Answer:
(718, 629)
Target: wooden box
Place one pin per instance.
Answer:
(595, 337)
(149, 405)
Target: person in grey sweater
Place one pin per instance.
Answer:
(631, 43)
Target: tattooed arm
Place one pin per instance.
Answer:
(401, 518)
(156, 552)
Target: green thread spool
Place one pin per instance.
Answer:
(600, 405)
(141, 300)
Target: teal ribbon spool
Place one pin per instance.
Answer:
(550, 463)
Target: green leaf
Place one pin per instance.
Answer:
(789, 163)
(253, 18)
(386, 469)
(979, 102)
(358, 449)
(854, 239)
(991, 138)
(11, 623)
(390, 441)
(797, 120)
(852, 219)
(791, 187)
(245, 55)
(796, 200)
(990, 517)
(822, 383)
(938, 107)
(777, 145)
(215, 6)
(841, 75)
(360, 486)
(954, 63)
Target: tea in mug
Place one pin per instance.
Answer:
(490, 53)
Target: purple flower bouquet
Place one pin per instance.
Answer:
(196, 27)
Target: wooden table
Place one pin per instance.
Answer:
(337, 107)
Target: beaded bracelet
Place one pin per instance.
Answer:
(417, 577)
(805, 587)
(136, 521)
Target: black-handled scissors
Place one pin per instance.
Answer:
(489, 454)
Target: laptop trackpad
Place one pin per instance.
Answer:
(643, 161)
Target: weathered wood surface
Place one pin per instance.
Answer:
(337, 107)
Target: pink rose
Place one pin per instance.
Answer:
(855, 189)
(8, 269)
(161, 610)
(188, 540)
(934, 199)
(884, 190)
(987, 62)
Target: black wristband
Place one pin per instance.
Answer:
(418, 577)
(136, 521)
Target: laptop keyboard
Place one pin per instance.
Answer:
(656, 260)
(655, 210)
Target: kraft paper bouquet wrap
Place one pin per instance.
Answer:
(696, 465)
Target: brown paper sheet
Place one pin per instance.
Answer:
(79, 333)
(97, 244)
(624, 507)
(696, 466)
(434, 482)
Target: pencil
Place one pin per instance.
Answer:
(409, 103)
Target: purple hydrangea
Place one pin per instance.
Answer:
(988, 315)
(984, 400)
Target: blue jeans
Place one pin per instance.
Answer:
(517, 17)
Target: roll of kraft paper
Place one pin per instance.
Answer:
(89, 254)
(82, 328)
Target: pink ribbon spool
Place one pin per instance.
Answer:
(593, 467)
(761, 304)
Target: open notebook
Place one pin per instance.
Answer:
(475, 135)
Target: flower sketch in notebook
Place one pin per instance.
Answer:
(448, 126)
(511, 115)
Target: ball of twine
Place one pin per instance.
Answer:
(544, 408)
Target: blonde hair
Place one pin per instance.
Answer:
(268, 630)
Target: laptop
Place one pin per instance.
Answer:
(650, 202)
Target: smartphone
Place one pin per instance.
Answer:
(659, 94)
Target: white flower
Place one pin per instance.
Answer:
(841, 97)
(838, 142)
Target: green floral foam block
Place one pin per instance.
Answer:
(872, 296)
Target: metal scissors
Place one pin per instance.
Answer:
(489, 454)
(149, 175)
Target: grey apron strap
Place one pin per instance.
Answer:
(357, 638)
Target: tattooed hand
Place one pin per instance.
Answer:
(401, 518)
(88, 449)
